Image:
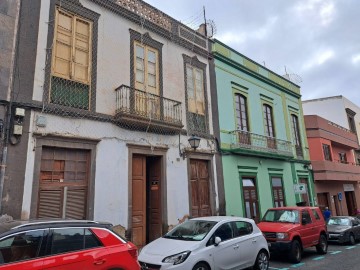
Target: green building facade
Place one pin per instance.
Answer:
(262, 134)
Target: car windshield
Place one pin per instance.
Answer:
(281, 215)
(339, 221)
(191, 230)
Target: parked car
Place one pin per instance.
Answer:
(291, 229)
(64, 244)
(208, 243)
(344, 229)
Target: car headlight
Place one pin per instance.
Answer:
(282, 236)
(177, 258)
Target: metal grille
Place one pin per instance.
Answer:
(270, 235)
(256, 142)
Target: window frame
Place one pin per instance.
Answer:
(327, 152)
(269, 120)
(278, 188)
(296, 129)
(241, 112)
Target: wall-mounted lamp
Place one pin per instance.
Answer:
(194, 142)
(308, 167)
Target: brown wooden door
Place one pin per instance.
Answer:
(139, 200)
(323, 201)
(251, 199)
(154, 229)
(337, 206)
(350, 202)
(200, 188)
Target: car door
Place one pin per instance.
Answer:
(356, 228)
(23, 251)
(307, 228)
(70, 249)
(247, 243)
(225, 255)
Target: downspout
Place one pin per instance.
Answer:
(9, 108)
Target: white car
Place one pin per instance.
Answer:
(208, 243)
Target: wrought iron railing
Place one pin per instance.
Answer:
(251, 141)
(137, 103)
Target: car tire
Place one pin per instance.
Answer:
(262, 261)
(322, 247)
(352, 239)
(295, 252)
(201, 266)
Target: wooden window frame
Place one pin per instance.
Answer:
(197, 99)
(74, 19)
(241, 112)
(296, 129)
(269, 119)
(273, 188)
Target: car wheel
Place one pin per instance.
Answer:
(295, 252)
(201, 266)
(322, 247)
(352, 239)
(262, 261)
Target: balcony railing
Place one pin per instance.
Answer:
(260, 143)
(135, 106)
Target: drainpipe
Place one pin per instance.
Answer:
(9, 109)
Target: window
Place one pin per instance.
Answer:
(242, 119)
(315, 213)
(71, 61)
(225, 232)
(342, 157)
(306, 217)
(327, 152)
(146, 68)
(243, 228)
(195, 88)
(72, 239)
(19, 247)
(269, 126)
(296, 134)
(278, 191)
(350, 116)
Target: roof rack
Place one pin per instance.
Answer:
(39, 222)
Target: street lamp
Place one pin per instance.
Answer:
(194, 142)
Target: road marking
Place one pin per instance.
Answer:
(297, 265)
(335, 252)
(278, 268)
(318, 258)
(351, 247)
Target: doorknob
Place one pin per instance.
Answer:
(100, 262)
(236, 246)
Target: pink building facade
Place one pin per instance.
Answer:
(336, 174)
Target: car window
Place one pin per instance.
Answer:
(191, 230)
(91, 241)
(316, 214)
(339, 221)
(22, 246)
(306, 217)
(281, 215)
(225, 232)
(243, 228)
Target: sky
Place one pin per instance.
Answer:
(316, 41)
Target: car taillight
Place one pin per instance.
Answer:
(133, 251)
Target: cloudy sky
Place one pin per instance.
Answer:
(317, 40)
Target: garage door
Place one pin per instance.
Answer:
(64, 177)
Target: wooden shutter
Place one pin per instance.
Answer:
(82, 45)
(75, 203)
(195, 90)
(63, 45)
(50, 203)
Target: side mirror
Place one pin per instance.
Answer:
(217, 240)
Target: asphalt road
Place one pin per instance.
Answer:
(339, 257)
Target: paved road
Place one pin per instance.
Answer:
(339, 257)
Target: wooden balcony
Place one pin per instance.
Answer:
(260, 145)
(139, 110)
(336, 171)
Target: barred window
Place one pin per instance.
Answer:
(71, 61)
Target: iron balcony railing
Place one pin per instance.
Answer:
(251, 141)
(137, 103)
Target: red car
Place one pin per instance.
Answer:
(65, 244)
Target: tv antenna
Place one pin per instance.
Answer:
(210, 27)
(292, 76)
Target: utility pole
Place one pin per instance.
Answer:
(205, 22)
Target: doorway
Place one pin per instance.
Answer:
(350, 202)
(323, 200)
(337, 206)
(305, 197)
(250, 199)
(146, 199)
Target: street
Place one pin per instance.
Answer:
(338, 257)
